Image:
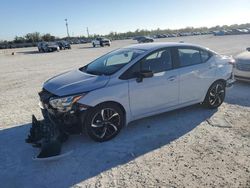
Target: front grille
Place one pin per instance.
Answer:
(243, 65)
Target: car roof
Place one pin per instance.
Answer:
(158, 45)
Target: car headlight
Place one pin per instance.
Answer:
(64, 104)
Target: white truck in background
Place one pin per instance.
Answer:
(100, 41)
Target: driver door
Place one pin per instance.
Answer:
(156, 93)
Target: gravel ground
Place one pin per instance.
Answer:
(190, 147)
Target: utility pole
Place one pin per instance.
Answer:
(88, 31)
(67, 27)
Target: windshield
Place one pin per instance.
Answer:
(111, 62)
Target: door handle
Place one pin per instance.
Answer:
(171, 78)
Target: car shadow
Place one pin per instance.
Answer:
(239, 94)
(30, 52)
(87, 47)
(17, 169)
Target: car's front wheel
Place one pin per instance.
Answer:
(104, 122)
(215, 95)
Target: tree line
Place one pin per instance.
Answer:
(35, 37)
(138, 32)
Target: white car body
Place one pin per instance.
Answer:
(166, 90)
(128, 84)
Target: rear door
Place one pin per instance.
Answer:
(197, 72)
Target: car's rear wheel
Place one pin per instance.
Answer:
(93, 44)
(215, 95)
(104, 122)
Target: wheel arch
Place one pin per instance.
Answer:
(219, 80)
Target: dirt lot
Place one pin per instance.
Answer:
(190, 147)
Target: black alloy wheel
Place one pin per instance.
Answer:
(215, 95)
(104, 122)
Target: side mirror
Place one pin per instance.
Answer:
(144, 74)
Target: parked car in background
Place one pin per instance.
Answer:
(83, 41)
(161, 36)
(242, 66)
(63, 45)
(100, 41)
(144, 39)
(47, 47)
(136, 37)
(133, 82)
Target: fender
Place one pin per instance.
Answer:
(117, 91)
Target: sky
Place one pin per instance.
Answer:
(19, 17)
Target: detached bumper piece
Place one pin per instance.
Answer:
(46, 135)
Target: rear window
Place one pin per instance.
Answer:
(192, 56)
(189, 57)
(205, 55)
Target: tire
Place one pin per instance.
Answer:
(104, 122)
(93, 45)
(215, 95)
(101, 44)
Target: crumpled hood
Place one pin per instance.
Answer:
(73, 82)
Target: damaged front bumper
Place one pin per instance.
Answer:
(50, 133)
(69, 122)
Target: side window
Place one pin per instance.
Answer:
(189, 56)
(158, 61)
(205, 55)
(155, 55)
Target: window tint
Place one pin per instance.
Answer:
(158, 61)
(205, 55)
(189, 56)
